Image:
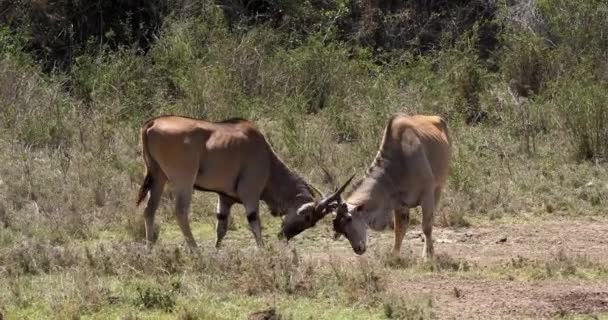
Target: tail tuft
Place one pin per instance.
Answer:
(144, 189)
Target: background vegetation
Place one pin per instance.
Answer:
(523, 84)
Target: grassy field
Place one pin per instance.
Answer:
(520, 232)
(546, 268)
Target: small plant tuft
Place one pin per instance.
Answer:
(156, 298)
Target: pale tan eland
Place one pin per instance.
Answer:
(231, 158)
(410, 170)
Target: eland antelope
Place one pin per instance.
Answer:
(410, 169)
(231, 158)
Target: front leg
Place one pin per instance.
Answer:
(402, 219)
(223, 215)
(253, 217)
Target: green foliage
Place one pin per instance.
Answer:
(410, 309)
(12, 45)
(151, 297)
(122, 82)
(560, 65)
(581, 102)
(34, 109)
(465, 74)
(62, 30)
(577, 25)
(316, 67)
(526, 62)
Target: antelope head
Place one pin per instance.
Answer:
(309, 214)
(349, 223)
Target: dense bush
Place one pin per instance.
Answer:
(59, 31)
(582, 111)
(313, 86)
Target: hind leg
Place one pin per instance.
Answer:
(402, 219)
(153, 202)
(223, 213)
(437, 195)
(428, 208)
(182, 208)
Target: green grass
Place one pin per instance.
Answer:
(125, 287)
(205, 306)
(113, 277)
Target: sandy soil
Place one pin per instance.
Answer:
(488, 246)
(502, 299)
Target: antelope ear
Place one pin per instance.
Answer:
(342, 208)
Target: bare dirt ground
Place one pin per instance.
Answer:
(503, 299)
(483, 293)
(489, 244)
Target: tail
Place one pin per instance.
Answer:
(148, 162)
(144, 189)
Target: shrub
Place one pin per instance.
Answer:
(121, 83)
(467, 78)
(581, 103)
(62, 30)
(34, 109)
(578, 26)
(526, 62)
(156, 298)
(396, 307)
